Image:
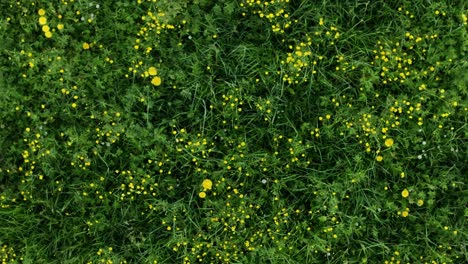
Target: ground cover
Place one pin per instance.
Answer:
(233, 131)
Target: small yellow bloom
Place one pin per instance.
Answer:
(405, 193)
(60, 26)
(405, 213)
(202, 194)
(152, 71)
(73, 105)
(389, 142)
(85, 46)
(207, 184)
(45, 28)
(48, 34)
(379, 158)
(41, 12)
(420, 202)
(42, 20)
(156, 81)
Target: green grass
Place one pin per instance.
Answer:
(330, 131)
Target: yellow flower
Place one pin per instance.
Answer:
(405, 193)
(202, 194)
(156, 81)
(41, 12)
(60, 26)
(45, 28)
(379, 158)
(85, 46)
(207, 184)
(48, 34)
(152, 71)
(420, 202)
(405, 213)
(42, 20)
(389, 142)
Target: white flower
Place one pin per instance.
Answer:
(264, 181)
(97, 6)
(424, 142)
(419, 156)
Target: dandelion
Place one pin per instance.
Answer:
(202, 195)
(48, 34)
(42, 20)
(379, 158)
(207, 184)
(45, 28)
(405, 193)
(156, 81)
(60, 26)
(420, 202)
(41, 12)
(152, 71)
(85, 46)
(405, 213)
(389, 142)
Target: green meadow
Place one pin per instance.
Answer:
(233, 131)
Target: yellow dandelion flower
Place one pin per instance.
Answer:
(48, 34)
(152, 71)
(60, 26)
(379, 158)
(156, 81)
(405, 193)
(42, 20)
(207, 184)
(405, 213)
(85, 46)
(41, 12)
(45, 28)
(389, 142)
(420, 202)
(202, 194)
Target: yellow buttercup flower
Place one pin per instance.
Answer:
(60, 26)
(405, 213)
(379, 158)
(85, 46)
(202, 195)
(405, 193)
(389, 142)
(207, 184)
(420, 202)
(152, 71)
(42, 20)
(41, 12)
(48, 34)
(156, 81)
(45, 28)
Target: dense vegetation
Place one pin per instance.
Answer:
(233, 131)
